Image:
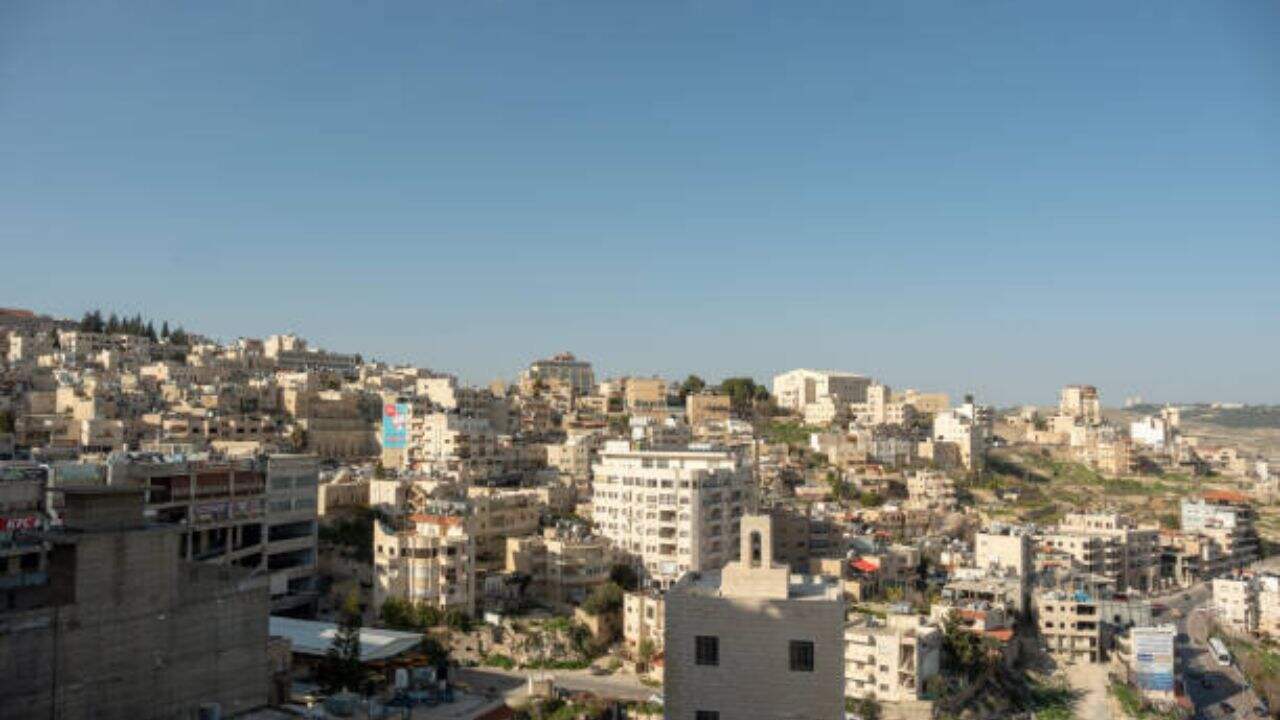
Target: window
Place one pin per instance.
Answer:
(801, 656)
(707, 650)
(706, 715)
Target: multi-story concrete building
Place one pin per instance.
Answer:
(463, 448)
(128, 628)
(1071, 625)
(1110, 544)
(1268, 587)
(890, 660)
(22, 556)
(564, 566)
(1004, 547)
(291, 529)
(754, 641)
(229, 516)
(931, 490)
(962, 428)
(672, 510)
(645, 396)
(1235, 602)
(707, 407)
(798, 388)
(565, 368)
(425, 559)
(644, 620)
(1227, 517)
(1080, 402)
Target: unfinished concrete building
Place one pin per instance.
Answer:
(129, 629)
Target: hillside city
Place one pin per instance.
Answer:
(260, 528)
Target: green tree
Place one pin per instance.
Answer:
(341, 667)
(692, 385)
(625, 576)
(605, 599)
(963, 652)
(646, 650)
(865, 708)
(396, 614)
(426, 616)
(457, 620)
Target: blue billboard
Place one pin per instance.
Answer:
(395, 426)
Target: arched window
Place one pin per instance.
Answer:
(757, 549)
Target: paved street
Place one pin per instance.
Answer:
(1208, 683)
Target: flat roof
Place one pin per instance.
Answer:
(311, 637)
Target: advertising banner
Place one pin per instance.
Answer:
(395, 425)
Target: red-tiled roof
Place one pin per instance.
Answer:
(1001, 635)
(1228, 496)
(865, 566)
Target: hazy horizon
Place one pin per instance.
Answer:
(999, 198)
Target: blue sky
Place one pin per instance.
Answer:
(1000, 197)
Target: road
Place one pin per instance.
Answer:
(1208, 684)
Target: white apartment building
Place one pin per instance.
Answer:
(1228, 518)
(644, 619)
(1269, 606)
(961, 428)
(754, 641)
(464, 448)
(672, 510)
(1151, 432)
(890, 660)
(425, 559)
(1235, 601)
(799, 388)
(1004, 548)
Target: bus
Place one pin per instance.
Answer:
(1219, 651)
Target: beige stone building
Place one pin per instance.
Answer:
(890, 660)
(566, 368)
(425, 559)
(931, 490)
(563, 566)
(645, 396)
(707, 407)
(1081, 403)
(1003, 548)
(754, 641)
(673, 510)
(797, 389)
(643, 620)
(1235, 602)
(1112, 545)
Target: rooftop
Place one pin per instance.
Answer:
(310, 637)
(799, 587)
